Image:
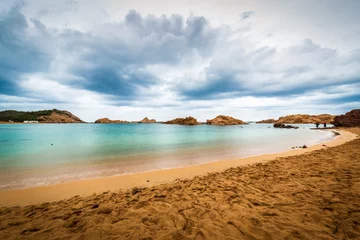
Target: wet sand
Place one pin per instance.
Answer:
(311, 193)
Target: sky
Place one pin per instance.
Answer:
(164, 59)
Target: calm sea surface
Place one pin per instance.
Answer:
(42, 154)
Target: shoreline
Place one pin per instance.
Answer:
(87, 187)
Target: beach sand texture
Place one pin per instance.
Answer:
(315, 195)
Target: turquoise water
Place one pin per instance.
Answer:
(42, 154)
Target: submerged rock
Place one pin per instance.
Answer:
(281, 125)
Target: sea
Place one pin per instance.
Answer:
(34, 155)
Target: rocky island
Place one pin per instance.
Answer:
(146, 120)
(270, 120)
(183, 121)
(106, 120)
(222, 120)
(43, 116)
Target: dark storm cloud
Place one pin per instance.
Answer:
(114, 59)
(111, 59)
(19, 52)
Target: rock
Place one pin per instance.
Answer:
(94, 206)
(104, 210)
(350, 119)
(301, 118)
(271, 120)
(304, 146)
(42, 116)
(183, 121)
(224, 120)
(58, 116)
(135, 190)
(281, 125)
(106, 120)
(146, 120)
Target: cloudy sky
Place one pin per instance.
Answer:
(165, 59)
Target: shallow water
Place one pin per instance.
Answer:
(41, 154)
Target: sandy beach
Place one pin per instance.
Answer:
(310, 193)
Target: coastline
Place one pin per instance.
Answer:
(88, 187)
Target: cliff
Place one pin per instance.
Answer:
(183, 121)
(305, 118)
(43, 116)
(271, 120)
(301, 118)
(224, 120)
(350, 119)
(146, 120)
(106, 120)
(60, 117)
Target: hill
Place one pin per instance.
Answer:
(43, 116)
(301, 118)
(224, 120)
(183, 121)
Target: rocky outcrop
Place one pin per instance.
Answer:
(106, 120)
(281, 125)
(183, 121)
(146, 120)
(305, 118)
(43, 116)
(58, 116)
(271, 120)
(224, 120)
(350, 119)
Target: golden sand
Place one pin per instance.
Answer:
(311, 193)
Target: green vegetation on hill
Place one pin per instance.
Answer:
(18, 116)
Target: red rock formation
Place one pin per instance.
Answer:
(350, 119)
(305, 118)
(146, 120)
(271, 120)
(224, 120)
(106, 120)
(58, 116)
(183, 121)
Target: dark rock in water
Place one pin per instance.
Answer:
(350, 119)
(304, 146)
(281, 125)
